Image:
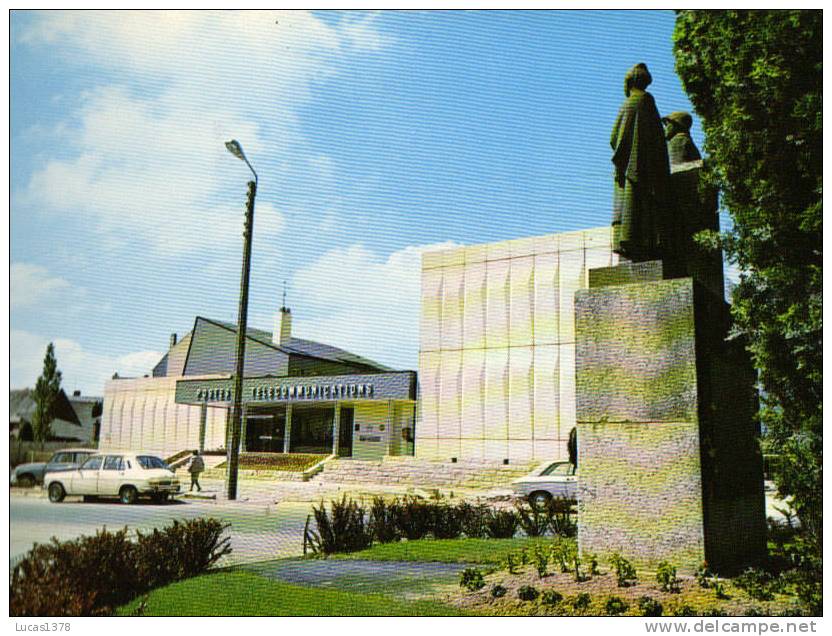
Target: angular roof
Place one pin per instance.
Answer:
(309, 348)
(22, 406)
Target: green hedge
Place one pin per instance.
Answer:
(90, 576)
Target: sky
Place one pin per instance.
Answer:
(375, 136)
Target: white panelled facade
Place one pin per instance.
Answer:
(497, 346)
(142, 414)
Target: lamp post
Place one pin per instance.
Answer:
(235, 149)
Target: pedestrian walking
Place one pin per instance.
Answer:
(196, 466)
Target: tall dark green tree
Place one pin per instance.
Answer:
(755, 80)
(47, 388)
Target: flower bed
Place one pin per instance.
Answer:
(289, 462)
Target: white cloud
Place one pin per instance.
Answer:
(146, 156)
(363, 34)
(32, 284)
(357, 300)
(81, 369)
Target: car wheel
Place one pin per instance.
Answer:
(26, 481)
(56, 493)
(539, 499)
(128, 495)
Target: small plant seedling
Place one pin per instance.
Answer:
(592, 560)
(511, 563)
(471, 579)
(615, 606)
(541, 561)
(551, 597)
(498, 591)
(666, 577)
(581, 601)
(703, 576)
(649, 606)
(625, 573)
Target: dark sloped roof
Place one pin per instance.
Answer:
(299, 346)
(328, 352)
(22, 407)
(161, 368)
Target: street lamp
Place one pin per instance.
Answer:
(235, 149)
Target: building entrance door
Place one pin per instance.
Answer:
(265, 431)
(345, 433)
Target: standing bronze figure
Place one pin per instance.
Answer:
(680, 146)
(642, 171)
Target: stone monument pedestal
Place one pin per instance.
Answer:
(668, 456)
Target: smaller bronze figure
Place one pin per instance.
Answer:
(680, 146)
(641, 171)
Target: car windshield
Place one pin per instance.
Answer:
(148, 462)
(560, 468)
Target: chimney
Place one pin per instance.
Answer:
(283, 327)
(172, 340)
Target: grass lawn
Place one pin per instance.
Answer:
(247, 594)
(481, 551)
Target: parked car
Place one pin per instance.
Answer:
(555, 479)
(31, 474)
(127, 476)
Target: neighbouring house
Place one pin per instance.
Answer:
(77, 417)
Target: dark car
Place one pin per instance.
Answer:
(28, 475)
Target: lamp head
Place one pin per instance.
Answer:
(235, 149)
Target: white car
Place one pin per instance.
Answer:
(127, 476)
(550, 480)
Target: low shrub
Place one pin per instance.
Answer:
(501, 524)
(561, 519)
(498, 591)
(684, 610)
(179, 551)
(532, 520)
(615, 606)
(527, 593)
(758, 584)
(471, 579)
(447, 523)
(414, 518)
(649, 606)
(625, 573)
(92, 575)
(666, 577)
(551, 597)
(472, 518)
(343, 529)
(714, 611)
(581, 601)
(383, 521)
